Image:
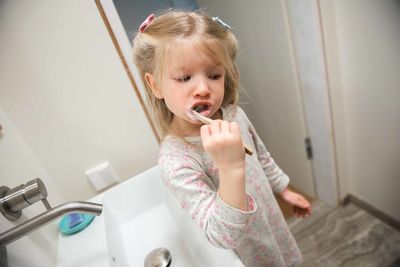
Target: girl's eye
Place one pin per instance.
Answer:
(215, 76)
(183, 78)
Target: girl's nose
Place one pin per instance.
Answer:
(202, 88)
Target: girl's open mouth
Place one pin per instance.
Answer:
(202, 108)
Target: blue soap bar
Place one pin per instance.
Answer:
(75, 219)
(74, 223)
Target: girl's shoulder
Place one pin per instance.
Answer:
(175, 153)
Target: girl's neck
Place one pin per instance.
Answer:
(183, 128)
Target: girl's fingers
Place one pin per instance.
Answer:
(215, 127)
(225, 127)
(234, 128)
(205, 131)
(302, 202)
(297, 212)
(300, 212)
(219, 140)
(308, 211)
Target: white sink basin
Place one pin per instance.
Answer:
(140, 215)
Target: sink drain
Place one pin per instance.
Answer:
(159, 257)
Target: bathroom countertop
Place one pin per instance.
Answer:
(86, 248)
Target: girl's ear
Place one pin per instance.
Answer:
(151, 82)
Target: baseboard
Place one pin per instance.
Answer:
(371, 209)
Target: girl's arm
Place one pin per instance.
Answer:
(223, 142)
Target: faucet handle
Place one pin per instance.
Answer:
(46, 204)
(34, 191)
(12, 201)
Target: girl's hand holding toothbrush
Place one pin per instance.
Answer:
(223, 142)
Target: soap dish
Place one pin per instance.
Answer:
(74, 223)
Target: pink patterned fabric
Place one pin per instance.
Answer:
(260, 236)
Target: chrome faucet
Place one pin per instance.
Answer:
(14, 200)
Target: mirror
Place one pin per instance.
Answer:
(66, 106)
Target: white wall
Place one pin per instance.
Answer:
(66, 105)
(366, 76)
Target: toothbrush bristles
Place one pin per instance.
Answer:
(201, 117)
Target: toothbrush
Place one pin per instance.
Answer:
(205, 120)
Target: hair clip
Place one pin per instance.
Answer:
(146, 23)
(221, 23)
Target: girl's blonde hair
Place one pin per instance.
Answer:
(150, 48)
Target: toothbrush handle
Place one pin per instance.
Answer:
(248, 149)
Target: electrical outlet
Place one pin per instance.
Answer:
(102, 176)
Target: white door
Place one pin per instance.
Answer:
(272, 97)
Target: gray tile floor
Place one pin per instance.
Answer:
(345, 236)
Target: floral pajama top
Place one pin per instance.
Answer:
(260, 236)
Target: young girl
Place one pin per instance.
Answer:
(187, 62)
